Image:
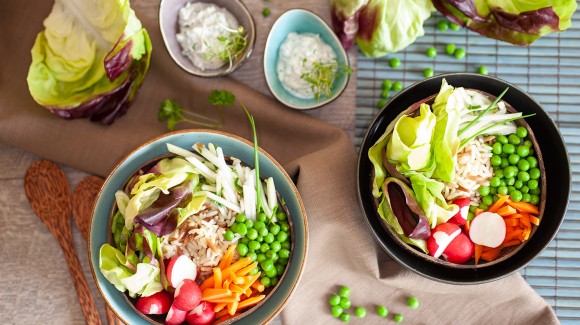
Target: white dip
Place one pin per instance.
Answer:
(200, 27)
(297, 56)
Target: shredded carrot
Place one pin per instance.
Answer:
(207, 283)
(227, 300)
(232, 307)
(235, 288)
(512, 242)
(491, 254)
(513, 234)
(511, 222)
(223, 318)
(524, 206)
(228, 257)
(211, 294)
(500, 201)
(258, 286)
(535, 220)
(251, 301)
(477, 211)
(219, 307)
(478, 252)
(239, 264)
(525, 220)
(222, 313)
(245, 270)
(506, 210)
(217, 275)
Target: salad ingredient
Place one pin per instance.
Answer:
(179, 268)
(482, 69)
(173, 113)
(90, 60)
(203, 315)
(345, 317)
(385, 94)
(344, 291)
(460, 250)
(360, 312)
(442, 25)
(441, 237)
(386, 84)
(345, 303)
(175, 316)
(428, 72)
(382, 311)
(450, 49)
(307, 67)
(454, 27)
(394, 62)
(345, 19)
(398, 318)
(459, 53)
(397, 86)
(514, 21)
(155, 304)
(187, 295)
(209, 35)
(266, 12)
(336, 311)
(381, 103)
(431, 52)
(413, 302)
(460, 218)
(487, 229)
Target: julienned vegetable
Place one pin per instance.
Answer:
(90, 60)
(514, 21)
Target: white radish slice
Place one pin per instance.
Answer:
(179, 268)
(487, 229)
(175, 316)
(440, 238)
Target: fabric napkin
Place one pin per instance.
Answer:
(320, 156)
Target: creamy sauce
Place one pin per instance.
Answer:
(200, 27)
(296, 56)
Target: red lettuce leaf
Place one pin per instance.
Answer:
(406, 209)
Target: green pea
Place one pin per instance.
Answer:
(502, 190)
(360, 312)
(255, 270)
(470, 215)
(514, 139)
(504, 163)
(518, 184)
(511, 188)
(252, 255)
(229, 235)
(260, 239)
(282, 236)
(459, 53)
(472, 208)
(483, 206)
(345, 317)
(382, 311)
(394, 63)
(275, 246)
(428, 72)
(344, 291)
(270, 254)
(283, 261)
(398, 318)
(267, 264)
(533, 161)
(336, 310)
(523, 151)
(535, 191)
(242, 249)
(254, 245)
(454, 26)
(284, 226)
(532, 151)
(244, 240)
(493, 190)
(442, 25)
(265, 281)
(487, 200)
(242, 229)
(496, 148)
(502, 139)
(526, 197)
(516, 196)
(508, 148)
(534, 173)
(252, 234)
(495, 198)
(523, 165)
(271, 273)
(280, 270)
(513, 159)
(510, 171)
(266, 12)
(482, 69)
(510, 181)
(260, 257)
(498, 173)
(286, 245)
(249, 224)
(241, 218)
(259, 224)
(262, 217)
(528, 143)
(523, 176)
(269, 238)
(264, 248)
(263, 231)
(494, 181)
(387, 84)
(274, 229)
(521, 132)
(381, 103)
(397, 86)
(431, 52)
(495, 160)
(413, 302)
(284, 253)
(533, 184)
(385, 94)
(534, 199)
(344, 302)
(525, 189)
(450, 49)
(483, 190)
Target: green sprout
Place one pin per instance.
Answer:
(231, 47)
(322, 76)
(173, 113)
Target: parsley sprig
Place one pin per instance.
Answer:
(173, 113)
(322, 76)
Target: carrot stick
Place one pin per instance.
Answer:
(514, 216)
(222, 313)
(535, 220)
(207, 283)
(506, 210)
(217, 277)
(235, 288)
(478, 252)
(502, 199)
(227, 300)
(511, 222)
(512, 242)
(509, 235)
(211, 294)
(232, 307)
(491, 254)
(524, 206)
(258, 286)
(219, 307)
(250, 301)
(477, 211)
(525, 220)
(245, 270)
(249, 280)
(223, 318)
(228, 256)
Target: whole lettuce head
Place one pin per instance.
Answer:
(90, 60)
(518, 22)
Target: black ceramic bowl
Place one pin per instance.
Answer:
(556, 171)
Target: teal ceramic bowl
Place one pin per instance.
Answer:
(301, 21)
(231, 145)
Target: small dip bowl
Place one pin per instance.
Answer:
(301, 21)
(168, 23)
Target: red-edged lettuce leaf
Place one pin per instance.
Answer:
(401, 201)
(517, 22)
(345, 19)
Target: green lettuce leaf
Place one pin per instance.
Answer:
(428, 195)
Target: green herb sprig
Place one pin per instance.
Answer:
(231, 47)
(173, 113)
(322, 76)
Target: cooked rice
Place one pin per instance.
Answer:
(472, 170)
(201, 236)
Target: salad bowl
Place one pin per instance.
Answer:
(232, 146)
(554, 183)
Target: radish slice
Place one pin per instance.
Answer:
(157, 303)
(460, 218)
(441, 237)
(203, 314)
(460, 250)
(180, 267)
(187, 295)
(175, 316)
(487, 229)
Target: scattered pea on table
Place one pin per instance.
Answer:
(428, 72)
(381, 103)
(459, 53)
(397, 86)
(482, 70)
(450, 49)
(454, 27)
(398, 318)
(334, 300)
(266, 12)
(336, 311)
(394, 62)
(413, 302)
(431, 52)
(360, 312)
(382, 311)
(387, 84)
(442, 25)
(345, 317)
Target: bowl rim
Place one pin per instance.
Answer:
(210, 73)
(302, 258)
(380, 240)
(342, 53)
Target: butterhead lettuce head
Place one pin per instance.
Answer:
(90, 59)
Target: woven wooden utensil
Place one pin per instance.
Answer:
(49, 195)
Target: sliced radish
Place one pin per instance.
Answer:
(157, 303)
(175, 316)
(460, 250)
(440, 238)
(203, 314)
(187, 295)
(460, 218)
(487, 229)
(180, 267)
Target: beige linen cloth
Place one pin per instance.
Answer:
(341, 250)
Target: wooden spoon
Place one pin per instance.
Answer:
(49, 195)
(83, 201)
